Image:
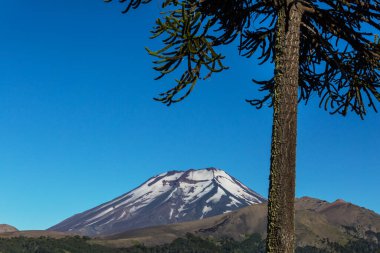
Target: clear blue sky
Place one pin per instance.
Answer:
(78, 125)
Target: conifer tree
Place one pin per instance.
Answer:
(324, 47)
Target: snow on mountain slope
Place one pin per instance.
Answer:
(171, 197)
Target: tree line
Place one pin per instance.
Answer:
(190, 244)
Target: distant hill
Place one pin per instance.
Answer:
(4, 228)
(316, 221)
(358, 222)
(35, 234)
(171, 197)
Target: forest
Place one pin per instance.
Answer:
(190, 244)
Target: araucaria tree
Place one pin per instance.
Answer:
(323, 47)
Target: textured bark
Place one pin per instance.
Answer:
(281, 230)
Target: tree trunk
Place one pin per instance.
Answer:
(281, 231)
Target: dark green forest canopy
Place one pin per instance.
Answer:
(189, 244)
(339, 48)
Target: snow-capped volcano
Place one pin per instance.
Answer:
(171, 197)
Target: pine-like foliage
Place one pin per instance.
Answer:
(339, 50)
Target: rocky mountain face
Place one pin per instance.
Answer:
(316, 222)
(171, 197)
(4, 228)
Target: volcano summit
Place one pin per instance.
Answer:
(171, 197)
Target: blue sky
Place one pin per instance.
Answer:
(78, 125)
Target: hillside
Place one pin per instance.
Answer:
(7, 228)
(315, 221)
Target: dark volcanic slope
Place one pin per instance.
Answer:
(172, 197)
(315, 219)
